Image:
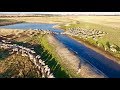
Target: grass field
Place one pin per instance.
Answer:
(50, 56)
(17, 66)
(41, 47)
(8, 21)
(111, 21)
(46, 19)
(113, 34)
(109, 24)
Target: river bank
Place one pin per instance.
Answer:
(73, 63)
(69, 62)
(97, 49)
(93, 47)
(49, 46)
(4, 22)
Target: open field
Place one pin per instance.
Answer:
(8, 21)
(108, 24)
(77, 27)
(111, 21)
(46, 19)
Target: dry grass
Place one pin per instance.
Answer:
(18, 66)
(40, 47)
(109, 24)
(10, 31)
(55, 19)
(111, 21)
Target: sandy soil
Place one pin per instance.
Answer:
(73, 62)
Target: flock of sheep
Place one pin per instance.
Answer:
(84, 33)
(36, 59)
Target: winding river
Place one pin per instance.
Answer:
(108, 67)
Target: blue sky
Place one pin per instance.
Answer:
(64, 13)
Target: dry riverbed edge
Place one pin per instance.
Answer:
(73, 61)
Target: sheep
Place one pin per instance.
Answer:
(44, 69)
(38, 57)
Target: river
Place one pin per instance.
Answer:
(110, 68)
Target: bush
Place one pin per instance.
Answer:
(108, 44)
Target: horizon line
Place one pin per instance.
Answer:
(64, 13)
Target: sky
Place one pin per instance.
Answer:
(64, 13)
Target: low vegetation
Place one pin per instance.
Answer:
(8, 22)
(48, 54)
(16, 66)
(41, 47)
(109, 42)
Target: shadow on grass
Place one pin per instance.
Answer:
(48, 58)
(3, 54)
(8, 73)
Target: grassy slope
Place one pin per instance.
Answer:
(47, 53)
(18, 67)
(42, 47)
(51, 58)
(56, 59)
(52, 50)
